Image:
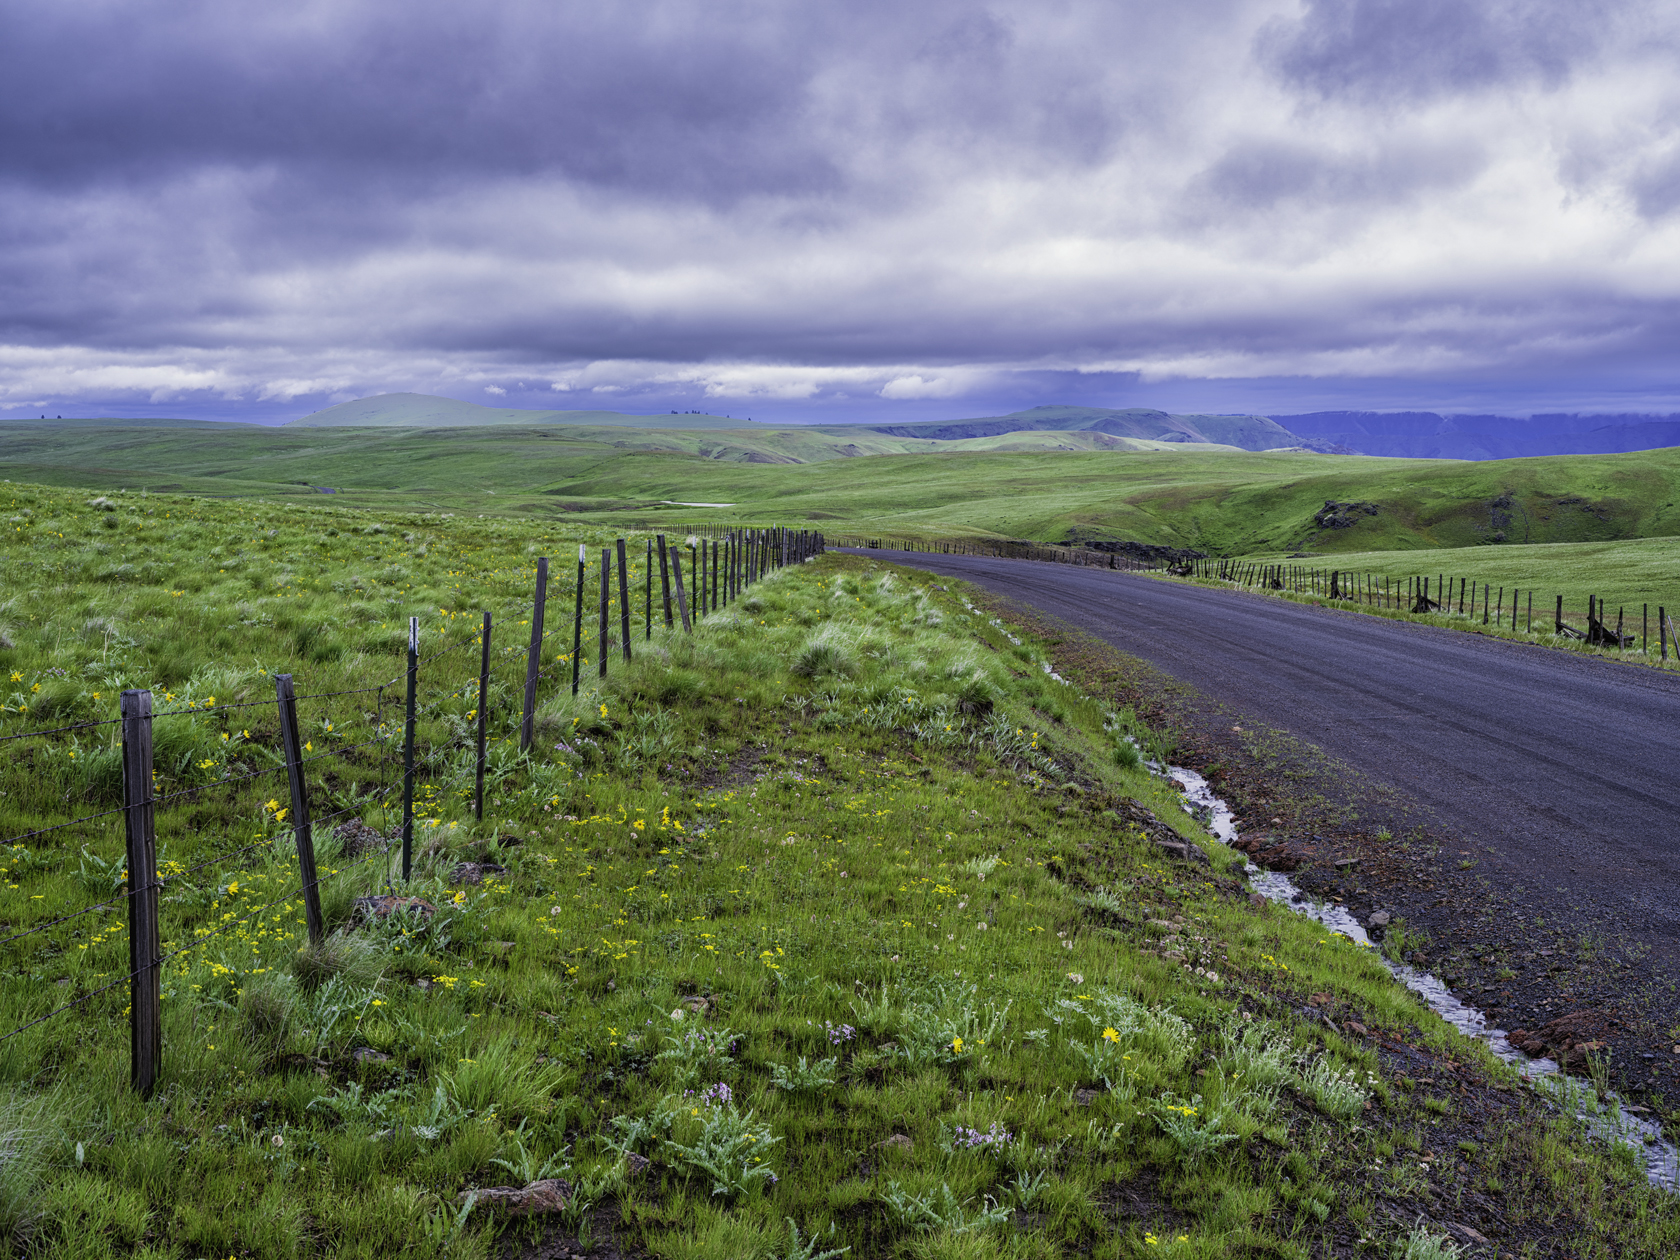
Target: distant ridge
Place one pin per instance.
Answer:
(1140, 424)
(1253, 433)
(427, 411)
(1426, 435)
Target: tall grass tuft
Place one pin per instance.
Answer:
(29, 1128)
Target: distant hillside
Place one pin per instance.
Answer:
(1252, 433)
(425, 411)
(1426, 435)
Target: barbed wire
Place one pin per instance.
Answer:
(60, 826)
(68, 1005)
(65, 918)
(58, 730)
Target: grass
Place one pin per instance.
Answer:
(1224, 502)
(832, 914)
(1633, 580)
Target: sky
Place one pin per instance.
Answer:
(840, 211)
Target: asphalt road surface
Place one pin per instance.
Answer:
(1567, 767)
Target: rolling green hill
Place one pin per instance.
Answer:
(1223, 501)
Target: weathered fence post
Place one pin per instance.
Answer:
(682, 589)
(665, 579)
(145, 1020)
(577, 618)
(647, 600)
(483, 711)
(606, 601)
(533, 658)
(408, 745)
(1559, 629)
(624, 600)
(302, 832)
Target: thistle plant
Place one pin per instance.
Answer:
(941, 1210)
(807, 1077)
(730, 1147)
(1195, 1128)
(1333, 1091)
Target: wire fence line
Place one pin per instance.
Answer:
(1446, 595)
(736, 560)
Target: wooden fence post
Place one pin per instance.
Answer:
(1559, 629)
(302, 832)
(1662, 636)
(145, 1020)
(533, 659)
(682, 596)
(577, 618)
(624, 600)
(647, 600)
(408, 745)
(606, 600)
(665, 580)
(483, 711)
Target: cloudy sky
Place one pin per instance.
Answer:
(824, 211)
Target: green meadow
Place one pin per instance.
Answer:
(1219, 500)
(839, 926)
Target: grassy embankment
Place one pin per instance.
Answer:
(842, 914)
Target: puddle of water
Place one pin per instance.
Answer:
(1604, 1118)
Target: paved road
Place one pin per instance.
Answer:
(1568, 767)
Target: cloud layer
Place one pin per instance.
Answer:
(817, 210)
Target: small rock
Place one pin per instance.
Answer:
(1085, 1097)
(367, 1054)
(1356, 1027)
(1379, 920)
(359, 838)
(549, 1195)
(898, 1141)
(1344, 863)
(635, 1165)
(1173, 955)
(697, 1004)
(1320, 999)
(1468, 1234)
(474, 872)
(1256, 899)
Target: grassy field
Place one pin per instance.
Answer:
(1224, 502)
(840, 926)
(1633, 573)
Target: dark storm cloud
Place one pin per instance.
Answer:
(595, 205)
(1416, 49)
(675, 100)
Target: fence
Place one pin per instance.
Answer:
(719, 572)
(1448, 596)
(1417, 594)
